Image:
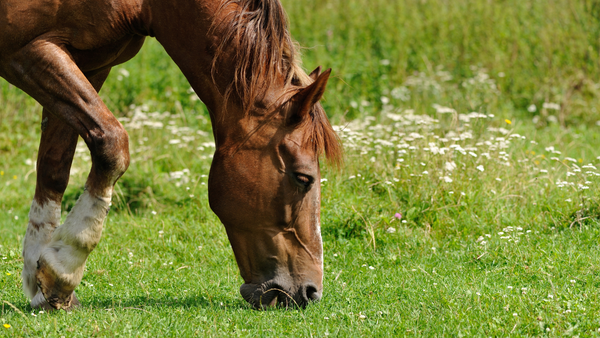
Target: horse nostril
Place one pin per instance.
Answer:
(312, 294)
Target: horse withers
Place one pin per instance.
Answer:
(268, 125)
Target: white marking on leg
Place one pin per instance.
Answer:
(73, 241)
(42, 222)
(38, 300)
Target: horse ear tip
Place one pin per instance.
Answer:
(324, 76)
(326, 73)
(315, 73)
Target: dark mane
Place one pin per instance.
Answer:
(265, 48)
(265, 51)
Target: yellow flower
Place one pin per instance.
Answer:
(508, 121)
(580, 160)
(536, 162)
(7, 326)
(8, 273)
(544, 156)
(532, 152)
(1, 173)
(15, 177)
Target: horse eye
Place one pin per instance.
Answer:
(304, 180)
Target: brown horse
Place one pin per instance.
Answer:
(268, 126)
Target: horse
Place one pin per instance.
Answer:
(269, 128)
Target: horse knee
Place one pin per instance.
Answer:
(110, 151)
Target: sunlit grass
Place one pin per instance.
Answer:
(463, 208)
(496, 232)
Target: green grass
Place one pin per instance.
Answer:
(499, 233)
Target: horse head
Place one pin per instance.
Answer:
(265, 188)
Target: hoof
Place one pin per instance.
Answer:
(55, 293)
(39, 302)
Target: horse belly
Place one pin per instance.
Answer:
(107, 56)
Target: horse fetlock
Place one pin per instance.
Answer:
(39, 302)
(29, 281)
(43, 219)
(82, 229)
(35, 241)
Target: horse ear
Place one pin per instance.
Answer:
(307, 97)
(315, 73)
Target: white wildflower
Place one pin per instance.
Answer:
(443, 110)
(450, 166)
(551, 106)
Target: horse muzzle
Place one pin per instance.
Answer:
(271, 294)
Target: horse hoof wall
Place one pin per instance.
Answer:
(39, 302)
(57, 292)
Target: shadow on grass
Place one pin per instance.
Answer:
(164, 302)
(147, 304)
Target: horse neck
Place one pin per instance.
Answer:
(183, 27)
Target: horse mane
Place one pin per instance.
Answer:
(266, 51)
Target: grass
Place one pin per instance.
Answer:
(499, 226)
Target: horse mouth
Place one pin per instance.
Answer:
(270, 295)
(266, 295)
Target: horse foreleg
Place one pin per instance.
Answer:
(61, 264)
(55, 155)
(46, 71)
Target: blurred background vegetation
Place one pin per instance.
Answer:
(535, 52)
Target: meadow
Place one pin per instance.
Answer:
(467, 205)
